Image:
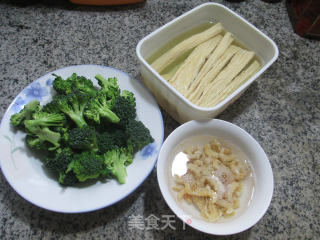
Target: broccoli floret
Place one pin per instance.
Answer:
(111, 140)
(73, 105)
(87, 165)
(45, 119)
(129, 96)
(109, 86)
(59, 161)
(72, 84)
(38, 130)
(68, 179)
(100, 107)
(52, 106)
(122, 105)
(38, 136)
(84, 85)
(37, 143)
(64, 132)
(17, 119)
(124, 109)
(116, 161)
(63, 86)
(137, 135)
(84, 138)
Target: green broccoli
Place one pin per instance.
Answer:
(45, 119)
(40, 144)
(63, 86)
(72, 84)
(52, 106)
(38, 130)
(129, 96)
(64, 132)
(84, 85)
(138, 136)
(68, 179)
(84, 138)
(87, 165)
(111, 139)
(116, 161)
(100, 107)
(59, 162)
(109, 86)
(37, 137)
(73, 105)
(124, 108)
(17, 119)
(81, 145)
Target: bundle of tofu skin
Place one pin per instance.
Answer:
(215, 67)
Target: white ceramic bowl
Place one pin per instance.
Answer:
(179, 107)
(237, 137)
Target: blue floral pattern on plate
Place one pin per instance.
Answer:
(35, 91)
(49, 82)
(148, 150)
(18, 104)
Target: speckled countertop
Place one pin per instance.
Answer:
(281, 110)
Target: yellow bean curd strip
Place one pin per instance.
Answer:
(198, 56)
(195, 92)
(168, 76)
(192, 65)
(169, 57)
(237, 82)
(235, 66)
(221, 48)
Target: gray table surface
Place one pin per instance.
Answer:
(281, 111)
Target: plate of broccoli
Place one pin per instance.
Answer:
(80, 138)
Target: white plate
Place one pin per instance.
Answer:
(25, 172)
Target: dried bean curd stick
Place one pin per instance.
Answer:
(195, 93)
(235, 66)
(169, 57)
(168, 76)
(204, 48)
(221, 48)
(237, 82)
(192, 65)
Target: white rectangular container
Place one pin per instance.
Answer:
(179, 107)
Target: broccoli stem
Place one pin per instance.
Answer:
(120, 172)
(50, 136)
(102, 80)
(78, 119)
(108, 114)
(44, 134)
(49, 120)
